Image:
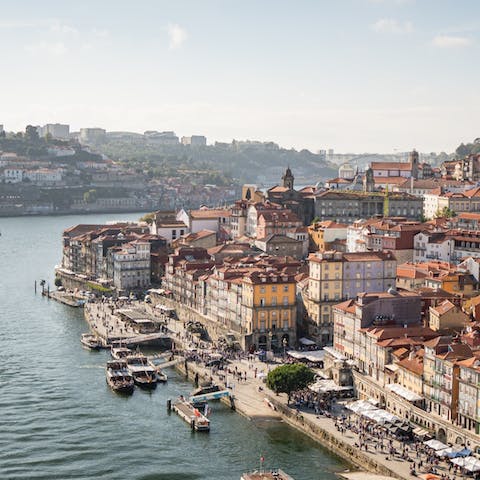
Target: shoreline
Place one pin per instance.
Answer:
(328, 440)
(73, 213)
(253, 400)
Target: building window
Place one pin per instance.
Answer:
(262, 302)
(285, 300)
(262, 289)
(274, 288)
(274, 301)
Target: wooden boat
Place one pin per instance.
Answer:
(91, 342)
(118, 377)
(144, 375)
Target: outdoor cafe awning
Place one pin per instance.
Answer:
(421, 432)
(435, 444)
(403, 392)
(311, 356)
(306, 341)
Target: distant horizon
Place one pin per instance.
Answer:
(212, 142)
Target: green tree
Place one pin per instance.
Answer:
(90, 196)
(31, 133)
(289, 378)
(148, 218)
(445, 212)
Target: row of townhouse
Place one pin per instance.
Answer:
(407, 362)
(447, 245)
(119, 254)
(253, 297)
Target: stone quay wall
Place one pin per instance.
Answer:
(331, 442)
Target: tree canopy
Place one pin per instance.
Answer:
(289, 378)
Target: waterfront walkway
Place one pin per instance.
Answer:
(245, 378)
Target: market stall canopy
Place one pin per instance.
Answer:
(360, 406)
(325, 386)
(421, 432)
(435, 444)
(403, 392)
(452, 452)
(306, 341)
(471, 464)
(314, 356)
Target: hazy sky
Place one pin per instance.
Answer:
(353, 75)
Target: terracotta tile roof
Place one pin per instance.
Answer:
(443, 307)
(414, 365)
(389, 180)
(209, 213)
(391, 166)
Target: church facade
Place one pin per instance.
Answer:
(301, 202)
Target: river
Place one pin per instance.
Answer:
(59, 420)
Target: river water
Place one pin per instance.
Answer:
(58, 418)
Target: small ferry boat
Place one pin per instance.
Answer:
(266, 474)
(191, 415)
(118, 377)
(91, 341)
(120, 352)
(207, 388)
(144, 375)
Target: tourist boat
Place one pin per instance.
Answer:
(191, 415)
(119, 353)
(90, 341)
(144, 374)
(266, 474)
(203, 389)
(118, 377)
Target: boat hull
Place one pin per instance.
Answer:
(125, 389)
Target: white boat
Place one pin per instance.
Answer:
(119, 353)
(91, 341)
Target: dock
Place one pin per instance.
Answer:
(66, 298)
(191, 415)
(110, 325)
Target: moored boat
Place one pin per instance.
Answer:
(91, 341)
(120, 352)
(144, 375)
(118, 377)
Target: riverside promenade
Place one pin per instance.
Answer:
(255, 401)
(244, 377)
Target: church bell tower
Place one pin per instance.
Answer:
(288, 179)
